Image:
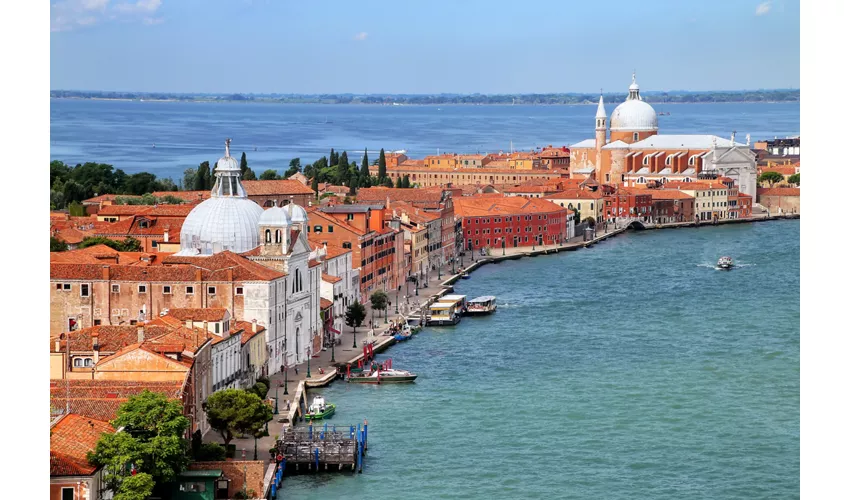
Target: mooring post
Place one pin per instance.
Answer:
(365, 434)
(310, 430)
(351, 432)
(325, 432)
(317, 459)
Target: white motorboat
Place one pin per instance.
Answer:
(725, 263)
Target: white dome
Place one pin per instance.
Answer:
(297, 214)
(275, 217)
(634, 116)
(221, 223)
(226, 221)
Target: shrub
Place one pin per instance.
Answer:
(230, 451)
(211, 452)
(261, 389)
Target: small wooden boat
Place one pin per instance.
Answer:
(384, 376)
(405, 334)
(725, 263)
(481, 305)
(464, 275)
(320, 409)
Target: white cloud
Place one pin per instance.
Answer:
(763, 8)
(66, 15)
(361, 36)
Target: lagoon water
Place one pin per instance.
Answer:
(630, 370)
(123, 133)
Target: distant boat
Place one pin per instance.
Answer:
(725, 263)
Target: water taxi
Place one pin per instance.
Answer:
(459, 299)
(481, 305)
(384, 376)
(725, 263)
(319, 409)
(443, 313)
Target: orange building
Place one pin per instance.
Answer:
(490, 222)
(72, 477)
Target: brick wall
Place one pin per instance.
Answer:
(235, 471)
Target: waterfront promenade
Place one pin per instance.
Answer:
(322, 371)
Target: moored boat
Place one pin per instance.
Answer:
(725, 263)
(481, 305)
(384, 376)
(444, 313)
(320, 409)
(464, 275)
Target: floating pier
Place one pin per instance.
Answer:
(323, 447)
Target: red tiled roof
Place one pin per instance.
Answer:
(71, 438)
(100, 399)
(325, 303)
(575, 194)
(779, 191)
(313, 213)
(219, 264)
(330, 278)
(470, 206)
(381, 194)
(530, 189)
(333, 251)
(102, 254)
(276, 187)
(111, 338)
(247, 329)
(197, 314)
(690, 186)
(668, 194)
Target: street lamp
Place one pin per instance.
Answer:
(396, 301)
(276, 398)
(333, 345)
(285, 377)
(503, 246)
(309, 353)
(354, 336)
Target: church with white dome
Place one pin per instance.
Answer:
(636, 155)
(288, 303)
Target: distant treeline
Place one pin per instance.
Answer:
(789, 95)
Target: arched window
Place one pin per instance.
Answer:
(635, 136)
(668, 160)
(646, 160)
(268, 236)
(277, 236)
(641, 180)
(87, 362)
(692, 160)
(78, 362)
(268, 203)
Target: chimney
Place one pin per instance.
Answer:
(188, 323)
(254, 325)
(57, 346)
(95, 345)
(140, 334)
(106, 273)
(206, 328)
(165, 235)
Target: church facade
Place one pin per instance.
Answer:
(629, 151)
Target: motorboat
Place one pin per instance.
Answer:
(481, 305)
(404, 334)
(464, 275)
(384, 376)
(320, 409)
(725, 263)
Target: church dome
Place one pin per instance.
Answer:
(634, 115)
(297, 214)
(275, 217)
(228, 220)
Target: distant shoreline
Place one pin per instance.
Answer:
(284, 103)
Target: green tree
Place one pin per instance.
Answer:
(232, 411)
(138, 487)
(151, 440)
(202, 177)
(794, 179)
(771, 177)
(142, 183)
(243, 164)
(57, 245)
(59, 171)
(382, 166)
(343, 159)
(398, 182)
(249, 175)
(314, 185)
(76, 209)
(333, 159)
(405, 182)
(352, 185)
(73, 191)
(363, 181)
(294, 168)
(355, 314)
(379, 300)
(188, 183)
(128, 245)
(388, 182)
(269, 175)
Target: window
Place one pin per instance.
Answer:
(240, 290)
(84, 290)
(277, 237)
(190, 290)
(166, 289)
(217, 327)
(97, 322)
(349, 217)
(78, 362)
(668, 160)
(268, 236)
(87, 362)
(192, 487)
(153, 244)
(635, 136)
(346, 244)
(65, 287)
(317, 229)
(143, 289)
(210, 290)
(646, 159)
(144, 224)
(67, 493)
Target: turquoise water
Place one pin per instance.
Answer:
(630, 370)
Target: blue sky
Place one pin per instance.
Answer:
(457, 46)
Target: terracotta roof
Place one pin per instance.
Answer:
(325, 303)
(71, 438)
(70, 235)
(102, 254)
(410, 162)
(100, 399)
(313, 263)
(185, 195)
(783, 170)
(743, 195)
(247, 329)
(276, 187)
(415, 214)
(400, 194)
(779, 191)
(197, 314)
(669, 194)
(313, 214)
(333, 251)
(219, 264)
(111, 338)
(690, 186)
(530, 189)
(131, 226)
(575, 194)
(471, 206)
(330, 278)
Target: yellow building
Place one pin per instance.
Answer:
(711, 199)
(586, 203)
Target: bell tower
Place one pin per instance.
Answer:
(601, 132)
